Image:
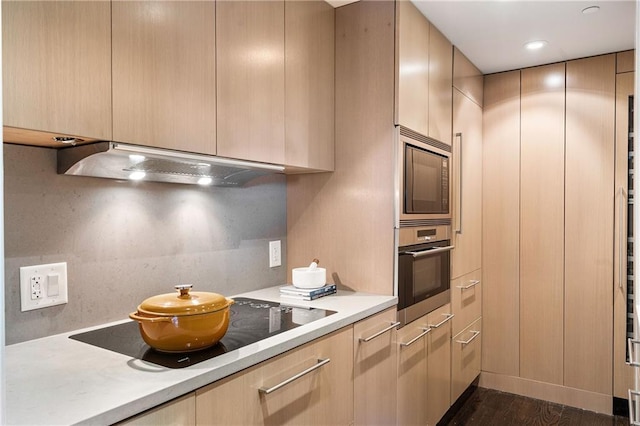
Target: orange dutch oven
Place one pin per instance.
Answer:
(183, 322)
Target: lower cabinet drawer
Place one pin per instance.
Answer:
(466, 300)
(465, 358)
(307, 385)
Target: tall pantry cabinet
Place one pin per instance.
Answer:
(548, 221)
(466, 280)
(501, 223)
(623, 274)
(542, 222)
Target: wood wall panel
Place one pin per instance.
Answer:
(542, 223)
(500, 223)
(590, 135)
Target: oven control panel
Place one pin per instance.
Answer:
(423, 234)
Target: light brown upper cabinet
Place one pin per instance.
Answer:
(412, 75)
(440, 82)
(57, 67)
(424, 75)
(251, 80)
(164, 74)
(309, 84)
(542, 223)
(467, 78)
(589, 201)
(467, 180)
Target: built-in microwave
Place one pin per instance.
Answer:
(424, 190)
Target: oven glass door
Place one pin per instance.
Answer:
(424, 272)
(426, 178)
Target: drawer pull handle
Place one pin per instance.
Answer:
(449, 316)
(633, 403)
(415, 339)
(320, 363)
(632, 352)
(466, 342)
(472, 284)
(379, 333)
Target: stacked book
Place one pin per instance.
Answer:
(292, 292)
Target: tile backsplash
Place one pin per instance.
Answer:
(126, 241)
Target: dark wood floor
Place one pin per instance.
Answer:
(494, 408)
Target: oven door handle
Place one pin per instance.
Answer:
(428, 252)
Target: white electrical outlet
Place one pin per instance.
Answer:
(275, 254)
(42, 286)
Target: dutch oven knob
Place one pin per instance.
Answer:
(184, 289)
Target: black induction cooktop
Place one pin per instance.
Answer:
(250, 320)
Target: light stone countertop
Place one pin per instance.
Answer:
(57, 380)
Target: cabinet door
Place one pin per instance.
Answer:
(181, 411)
(589, 201)
(250, 80)
(501, 223)
(374, 369)
(622, 373)
(164, 76)
(412, 33)
(466, 300)
(412, 373)
(467, 200)
(440, 86)
(309, 84)
(323, 396)
(467, 78)
(465, 358)
(57, 66)
(439, 363)
(542, 193)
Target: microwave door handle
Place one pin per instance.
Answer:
(428, 252)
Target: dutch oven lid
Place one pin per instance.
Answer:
(185, 303)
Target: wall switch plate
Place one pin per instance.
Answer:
(42, 286)
(275, 254)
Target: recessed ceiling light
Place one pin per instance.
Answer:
(535, 45)
(590, 9)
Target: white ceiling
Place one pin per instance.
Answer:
(492, 33)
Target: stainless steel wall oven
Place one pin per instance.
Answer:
(423, 270)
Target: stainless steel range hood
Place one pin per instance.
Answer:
(124, 161)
